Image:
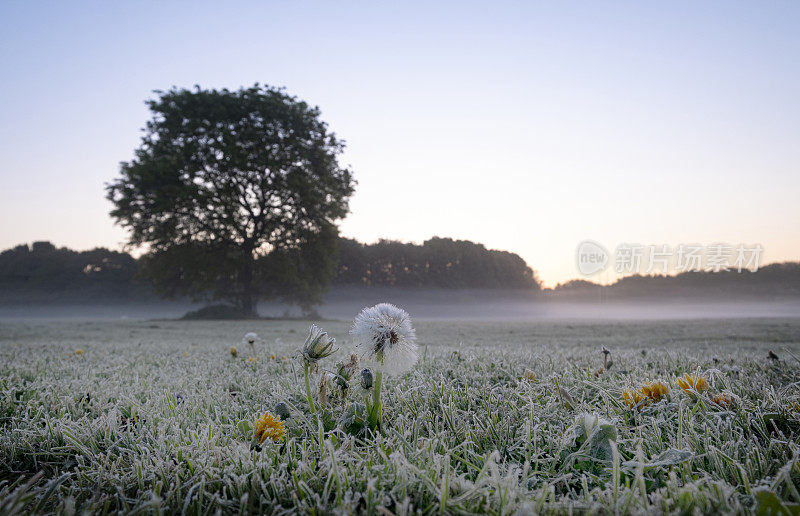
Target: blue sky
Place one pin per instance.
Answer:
(525, 126)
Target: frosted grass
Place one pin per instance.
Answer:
(157, 417)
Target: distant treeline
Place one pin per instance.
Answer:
(774, 280)
(43, 272)
(438, 262)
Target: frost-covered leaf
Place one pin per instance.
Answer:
(666, 458)
(600, 442)
(354, 419)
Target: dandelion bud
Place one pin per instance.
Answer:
(282, 411)
(317, 345)
(344, 373)
(607, 362)
(366, 379)
(342, 376)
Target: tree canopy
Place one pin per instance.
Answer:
(438, 262)
(234, 195)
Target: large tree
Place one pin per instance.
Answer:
(232, 193)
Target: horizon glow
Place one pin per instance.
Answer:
(527, 128)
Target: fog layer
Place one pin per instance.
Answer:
(435, 304)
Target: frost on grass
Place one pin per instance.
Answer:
(164, 417)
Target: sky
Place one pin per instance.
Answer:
(526, 126)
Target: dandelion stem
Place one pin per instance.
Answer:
(375, 413)
(308, 389)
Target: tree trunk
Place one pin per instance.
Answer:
(247, 298)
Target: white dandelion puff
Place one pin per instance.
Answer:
(250, 338)
(385, 337)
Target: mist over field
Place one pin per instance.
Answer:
(433, 304)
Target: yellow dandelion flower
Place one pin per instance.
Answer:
(79, 352)
(723, 400)
(272, 357)
(646, 394)
(632, 397)
(599, 371)
(234, 352)
(655, 391)
(269, 426)
(692, 382)
(252, 360)
(530, 375)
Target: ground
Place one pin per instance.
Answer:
(497, 417)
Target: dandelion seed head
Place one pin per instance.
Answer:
(385, 337)
(250, 338)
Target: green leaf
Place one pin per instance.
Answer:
(245, 427)
(770, 504)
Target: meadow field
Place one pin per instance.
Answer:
(496, 417)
